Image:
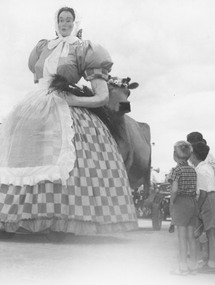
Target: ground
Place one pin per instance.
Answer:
(138, 257)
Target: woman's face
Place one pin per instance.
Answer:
(65, 23)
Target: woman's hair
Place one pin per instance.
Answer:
(183, 150)
(67, 9)
(195, 137)
(200, 150)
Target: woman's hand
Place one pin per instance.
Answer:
(100, 98)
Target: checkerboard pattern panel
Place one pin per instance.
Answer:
(97, 190)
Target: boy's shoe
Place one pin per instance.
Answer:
(202, 262)
(206, 269)
(193, 271)
(180, 272)
(171, 229)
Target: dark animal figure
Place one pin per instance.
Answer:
(133, 138)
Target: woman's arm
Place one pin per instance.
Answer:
(100, 98)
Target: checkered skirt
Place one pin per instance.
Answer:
(96, 199)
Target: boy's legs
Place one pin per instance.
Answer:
(192, 247)
(210, 267)
(211, 243)
(182, 241)
(203, 249)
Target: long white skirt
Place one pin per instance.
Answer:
(36, 140)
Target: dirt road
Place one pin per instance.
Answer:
(139, 257)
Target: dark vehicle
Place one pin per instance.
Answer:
(153, 205)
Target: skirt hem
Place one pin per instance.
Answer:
(71, 226)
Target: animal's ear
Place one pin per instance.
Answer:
(133, 85)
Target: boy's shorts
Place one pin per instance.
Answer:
(184, 211)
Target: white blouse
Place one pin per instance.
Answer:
(205, 177)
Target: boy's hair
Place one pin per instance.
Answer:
(201, 150)
(195, 137)
(183, 150)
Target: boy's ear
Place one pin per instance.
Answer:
(192, 156)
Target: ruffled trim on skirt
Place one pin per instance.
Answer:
(67, 226)
(32, 175)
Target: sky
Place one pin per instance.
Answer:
(167, 46)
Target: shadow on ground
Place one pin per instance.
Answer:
(68, 239)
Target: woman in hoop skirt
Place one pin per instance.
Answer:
(60, 168)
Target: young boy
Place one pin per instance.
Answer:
(196, 137)
(206, 199)
(183, 205)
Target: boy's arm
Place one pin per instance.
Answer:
(203, 180)
(173, 192)
(201, 199)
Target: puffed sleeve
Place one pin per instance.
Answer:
(95, 61)
(35, 54)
